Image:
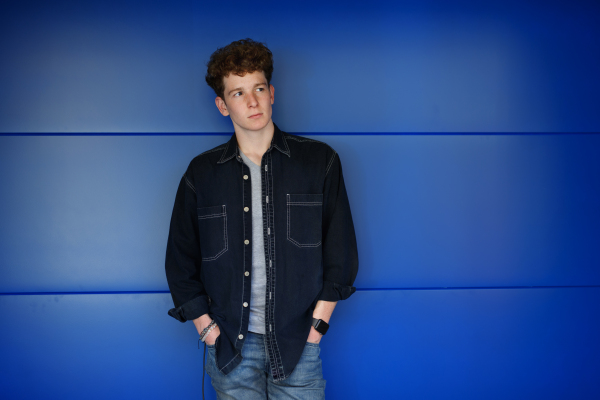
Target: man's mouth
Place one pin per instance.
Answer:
(255, 116)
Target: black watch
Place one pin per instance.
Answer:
(320, 325)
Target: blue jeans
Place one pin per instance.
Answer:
(251, 379)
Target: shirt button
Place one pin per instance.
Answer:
(245, 304)
(246, 177)
(246, 209)
(247, 273)
(241, 337)
(246, 241)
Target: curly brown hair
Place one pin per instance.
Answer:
(239, 58)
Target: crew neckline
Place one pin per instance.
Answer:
(247, 159)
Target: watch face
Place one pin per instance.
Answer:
(321, 326)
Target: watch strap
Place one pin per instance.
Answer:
(320, 325)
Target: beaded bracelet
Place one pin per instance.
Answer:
(207, 330)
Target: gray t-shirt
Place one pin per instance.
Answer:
(259, 273)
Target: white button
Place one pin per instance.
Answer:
(246, 209)
(246, 241)
(246, 177)
(247, 273)
(241, 337)
(245, 304)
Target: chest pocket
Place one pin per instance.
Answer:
(212, 229)
(304, 219)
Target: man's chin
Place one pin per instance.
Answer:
(254, 125)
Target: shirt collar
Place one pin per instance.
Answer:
(232, 150)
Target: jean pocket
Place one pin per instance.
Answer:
(311, 350)
(212, 229)
(304, 219)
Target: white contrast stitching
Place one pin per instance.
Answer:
(225, 366)
(303, 245)
(212, 150)
(222, 160)
(289, 236)
(287, 149)
(330, 162)
(273, 270)
(303, 139)
(189, 183)
(225, 237)
(210, 216)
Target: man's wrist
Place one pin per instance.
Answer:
(314, 336)
(206, 331)
(202, 322)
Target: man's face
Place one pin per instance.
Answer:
(247, 100)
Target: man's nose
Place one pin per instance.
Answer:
(252, 100)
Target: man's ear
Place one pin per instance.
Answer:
(272, 93)
(221, 106)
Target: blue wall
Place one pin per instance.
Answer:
(352, 66)
(469, 138)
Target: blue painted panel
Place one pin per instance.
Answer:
(440, 344)
(89, 213)
(92, 213)
(97, 347)
(465, 344)
(133, 66)
(455, 211)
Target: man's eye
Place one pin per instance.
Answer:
(238, 94)
(260, 89)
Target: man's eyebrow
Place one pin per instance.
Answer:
(239, 88)
(234, 90)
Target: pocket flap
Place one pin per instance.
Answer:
(211, 212)
(305, 199)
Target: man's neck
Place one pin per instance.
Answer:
(255, 143)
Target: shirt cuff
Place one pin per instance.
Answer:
(334, 291)
(190, 310)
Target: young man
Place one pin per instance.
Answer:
(261, 244)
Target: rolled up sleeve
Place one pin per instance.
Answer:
(340, 253)
(183, 261)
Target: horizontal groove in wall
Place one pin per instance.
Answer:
(358, 290)
(479, 288)
(76, 134)
(78, 293)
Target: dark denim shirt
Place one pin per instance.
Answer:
(310, 245)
